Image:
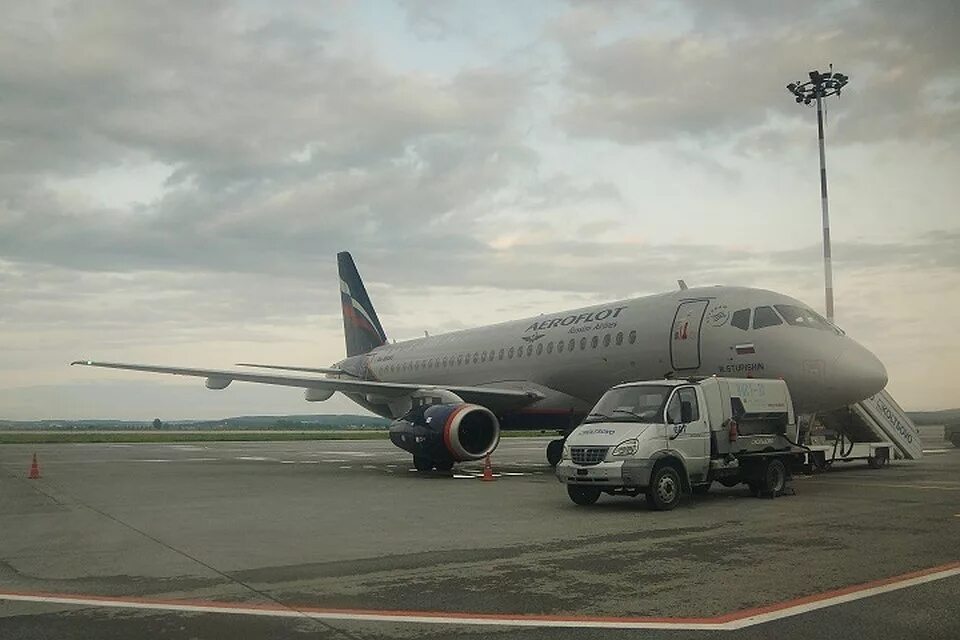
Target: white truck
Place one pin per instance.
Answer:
(666, 437)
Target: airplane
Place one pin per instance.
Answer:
(450, 394)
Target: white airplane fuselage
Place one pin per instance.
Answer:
(572, 357)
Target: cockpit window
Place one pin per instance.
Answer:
(741, 319)
(765, 317)
(800, 317)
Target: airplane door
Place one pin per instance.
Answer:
(685, 336)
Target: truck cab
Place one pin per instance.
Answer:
(665, 437)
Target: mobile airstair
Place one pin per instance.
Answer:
(876, 430)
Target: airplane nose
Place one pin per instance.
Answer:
(860, 373)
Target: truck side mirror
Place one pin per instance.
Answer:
(686, 411)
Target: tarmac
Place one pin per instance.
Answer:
(343, 539)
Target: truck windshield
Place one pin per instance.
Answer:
(631, 404)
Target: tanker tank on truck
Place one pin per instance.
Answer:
(663, 438)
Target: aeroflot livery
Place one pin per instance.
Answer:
(449, 394)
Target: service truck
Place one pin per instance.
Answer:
(662, 438)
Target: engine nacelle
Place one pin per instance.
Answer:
(317, 395)
(457, 432)
(218, 383)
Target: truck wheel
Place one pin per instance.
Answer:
(583, 496)
(663, 493)
(422, 464)
(554, 452)
(774, 478)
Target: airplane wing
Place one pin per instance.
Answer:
(288, 368)
(220, 379)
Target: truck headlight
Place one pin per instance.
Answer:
(626, 448)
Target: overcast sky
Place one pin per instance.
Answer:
(175, 178)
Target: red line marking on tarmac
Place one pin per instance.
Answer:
(724, 622)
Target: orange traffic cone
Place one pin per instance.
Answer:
(487, 470)
(34, 469)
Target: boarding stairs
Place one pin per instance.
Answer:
(883, 415)
(878, 419)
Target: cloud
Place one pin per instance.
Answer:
(220, 94)
(725, 75)
(175, 180)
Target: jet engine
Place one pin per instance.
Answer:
(447, 433)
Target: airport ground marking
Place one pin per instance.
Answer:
(725, 622)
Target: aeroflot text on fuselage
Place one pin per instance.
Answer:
(566, 321)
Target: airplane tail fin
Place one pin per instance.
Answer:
(361, 327)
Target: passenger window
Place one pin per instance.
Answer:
(560, 347)
(530, 350)
(606, 340)
(519, 352)
(741, 319)
(483, 357)
(501, 355)
(510, 353)
(765, 317)
(594, 342)
(539, 348)
(583, 344)
(619, 338)
(571, 344)
(633, 337)
(549, 347)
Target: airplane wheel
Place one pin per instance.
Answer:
(446, 465)
(554, 452)
(955, 439)
(583, 496)
(422, 464)
(729, 482)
